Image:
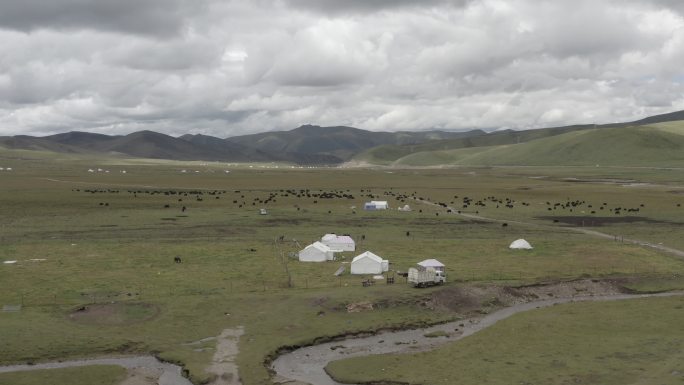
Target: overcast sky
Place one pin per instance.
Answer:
(233, 67)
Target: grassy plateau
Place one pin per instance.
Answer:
(107, 240)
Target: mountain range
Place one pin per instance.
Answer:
(659, 139)
(303, 145)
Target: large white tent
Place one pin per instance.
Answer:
(316, 252)
(339, 242)
(432, 263)
(520, 244)
(369, 263)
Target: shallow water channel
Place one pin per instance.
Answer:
(308, 364)
(170, 374)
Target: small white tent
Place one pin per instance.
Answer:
(520, 244)
(376, 205)
(339, 242)
(369, 263)
(432, 263)
(316, 252)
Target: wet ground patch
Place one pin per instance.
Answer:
(590, 221)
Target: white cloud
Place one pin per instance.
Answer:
(238, 66)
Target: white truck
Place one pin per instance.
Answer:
(426, 277)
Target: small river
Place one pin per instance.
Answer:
(170, 374)
(307, 364)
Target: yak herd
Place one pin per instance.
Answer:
(241, 199)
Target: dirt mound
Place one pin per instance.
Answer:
(114, 313)
(466, 299)
(578, 288)
(359, 307)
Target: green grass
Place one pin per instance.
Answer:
(624, 146)
(123, 252)
(656, 284)
(86, 375)
(623, 342)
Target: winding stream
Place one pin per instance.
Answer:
(307, 364)
(170, 374)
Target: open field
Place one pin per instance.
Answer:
(108, 239)
(622, 342)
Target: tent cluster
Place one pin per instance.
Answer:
(325, 249)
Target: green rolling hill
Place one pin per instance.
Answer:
(660, 144)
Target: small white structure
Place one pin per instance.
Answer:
(339, 242)
(432, 263)
(405, 208)
(520, 244)
(376, 205)
(316, 252)
(369, 263)
(263, 212)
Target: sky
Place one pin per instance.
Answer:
(227, 68)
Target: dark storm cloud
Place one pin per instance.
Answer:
(151, 17)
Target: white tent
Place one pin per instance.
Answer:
(369, 263)
(316, 252)
(339, 242)
(376, 205)
(405, 208)
(432, 263)
(520, 244)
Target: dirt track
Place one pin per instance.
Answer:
(307, 365)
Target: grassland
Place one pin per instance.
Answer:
(82, 238)
(658, 145)
(87, 375)
(622, 342)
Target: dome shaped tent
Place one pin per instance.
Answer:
(520, 244)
